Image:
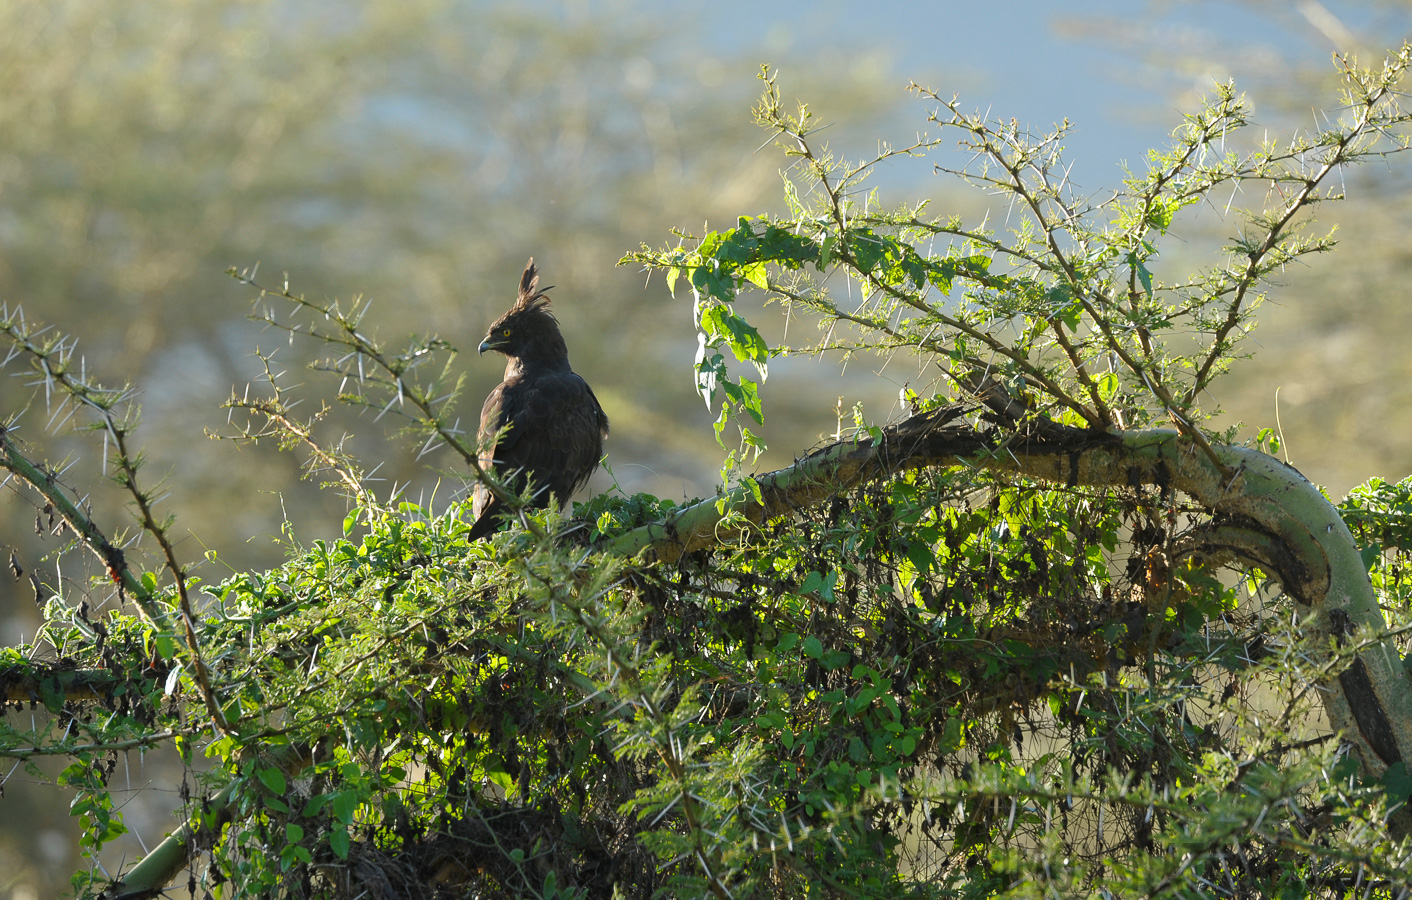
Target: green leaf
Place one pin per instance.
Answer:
(752, 440)
(951, 738)
(745, 342)
(166, 646)
(1398, 783)
(787, 248)
(746, 395)
(1370, 555)
(753, 488)
(714, 280)
(720, 426)
(757, 274)
(921, 557)
(709, 243)
(231, 710)
(338, 842)
(51, 694)
(941, 273)
(979, 263)
(1107, 386)
(869, 249)
(1144, 277)
(710, 370)
(1161, 211)
(1065, 308)
(813, 647)
(273, 779)
(739, 244)
(344, 804)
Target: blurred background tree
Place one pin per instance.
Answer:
(417, 153)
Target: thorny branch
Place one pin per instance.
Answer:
(53, 358)
(365, 362)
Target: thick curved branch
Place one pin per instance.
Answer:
(1265, 512)
(155, 872)
(920, 441)
(56, 686)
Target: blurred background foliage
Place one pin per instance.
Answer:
(416, 152)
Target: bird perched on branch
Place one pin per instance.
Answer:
(554, 425)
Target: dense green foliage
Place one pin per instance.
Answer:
(861, 697)
(950, 681)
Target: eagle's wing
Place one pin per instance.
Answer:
(554, 439)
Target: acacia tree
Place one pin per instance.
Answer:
(1022, 642)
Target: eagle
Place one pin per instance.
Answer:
(553, 424)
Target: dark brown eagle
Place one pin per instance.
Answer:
(556, 427)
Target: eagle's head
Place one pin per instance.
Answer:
(528, 333)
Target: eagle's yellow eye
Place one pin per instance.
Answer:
(504, 332)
